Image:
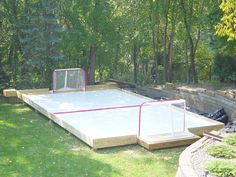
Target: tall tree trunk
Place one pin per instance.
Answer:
(92, 65)
(165, 46)
(15, 36)
(15, 56)
(25, 58)
(115, 64)
(134, 57)
(13, 53)
(192, 60)
(171, 45)
(155, 59)
(93, 47)
(193, 77)
(10, 56)
(146, 67)
(153, 20)
(3, 75)
(170, 72)
(185, 45)
(210, 72)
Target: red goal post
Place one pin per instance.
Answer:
(68, 79)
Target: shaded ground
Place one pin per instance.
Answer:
(31, 146)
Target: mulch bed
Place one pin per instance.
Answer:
(200, 157)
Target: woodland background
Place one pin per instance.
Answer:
(142, 41)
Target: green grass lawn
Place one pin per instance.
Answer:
(32, 146)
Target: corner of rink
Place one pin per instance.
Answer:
(9, 93)
(167, 141)
(18, 93)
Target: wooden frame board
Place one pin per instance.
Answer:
(167, 143)
(9, 93)
(200, 130)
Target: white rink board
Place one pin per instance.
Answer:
(114, 122)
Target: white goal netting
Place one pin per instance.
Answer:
(69, 79)
(162, 119)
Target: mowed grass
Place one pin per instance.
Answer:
(32, 146)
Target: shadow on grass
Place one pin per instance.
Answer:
(29, 162)
(30, 146)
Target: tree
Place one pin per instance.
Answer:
(190, 20)
(91, 38)
(227, 26)
(10, 46)
(166, 12)
(146, 42)
(40, 39)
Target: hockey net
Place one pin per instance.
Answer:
(167, 115)
(69, 79)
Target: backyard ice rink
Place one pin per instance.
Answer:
(113, 113)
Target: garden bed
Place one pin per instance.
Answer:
(209, 157)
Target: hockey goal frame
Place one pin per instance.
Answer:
(156, 102)
(65, 83)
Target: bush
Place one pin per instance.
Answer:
(231, 139)
(221, 168)
(221, 151)
(224, 68)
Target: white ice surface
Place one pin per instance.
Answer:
(70, 101)
(116, 122)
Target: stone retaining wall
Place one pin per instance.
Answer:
(200, 99)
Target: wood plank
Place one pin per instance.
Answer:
(114, 141)
(108, 85)
(168, 143)
(202, 129)
(213, 136)
(32, 92)
(9, 93)
(35, 91)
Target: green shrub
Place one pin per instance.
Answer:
(231, 139)
(221, 151)
(224, 68)
(221, 168)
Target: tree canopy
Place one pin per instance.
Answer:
(146, 42)
(227, 25)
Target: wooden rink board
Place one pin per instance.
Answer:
(167, 143)
(112, 141)
(9, 93)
